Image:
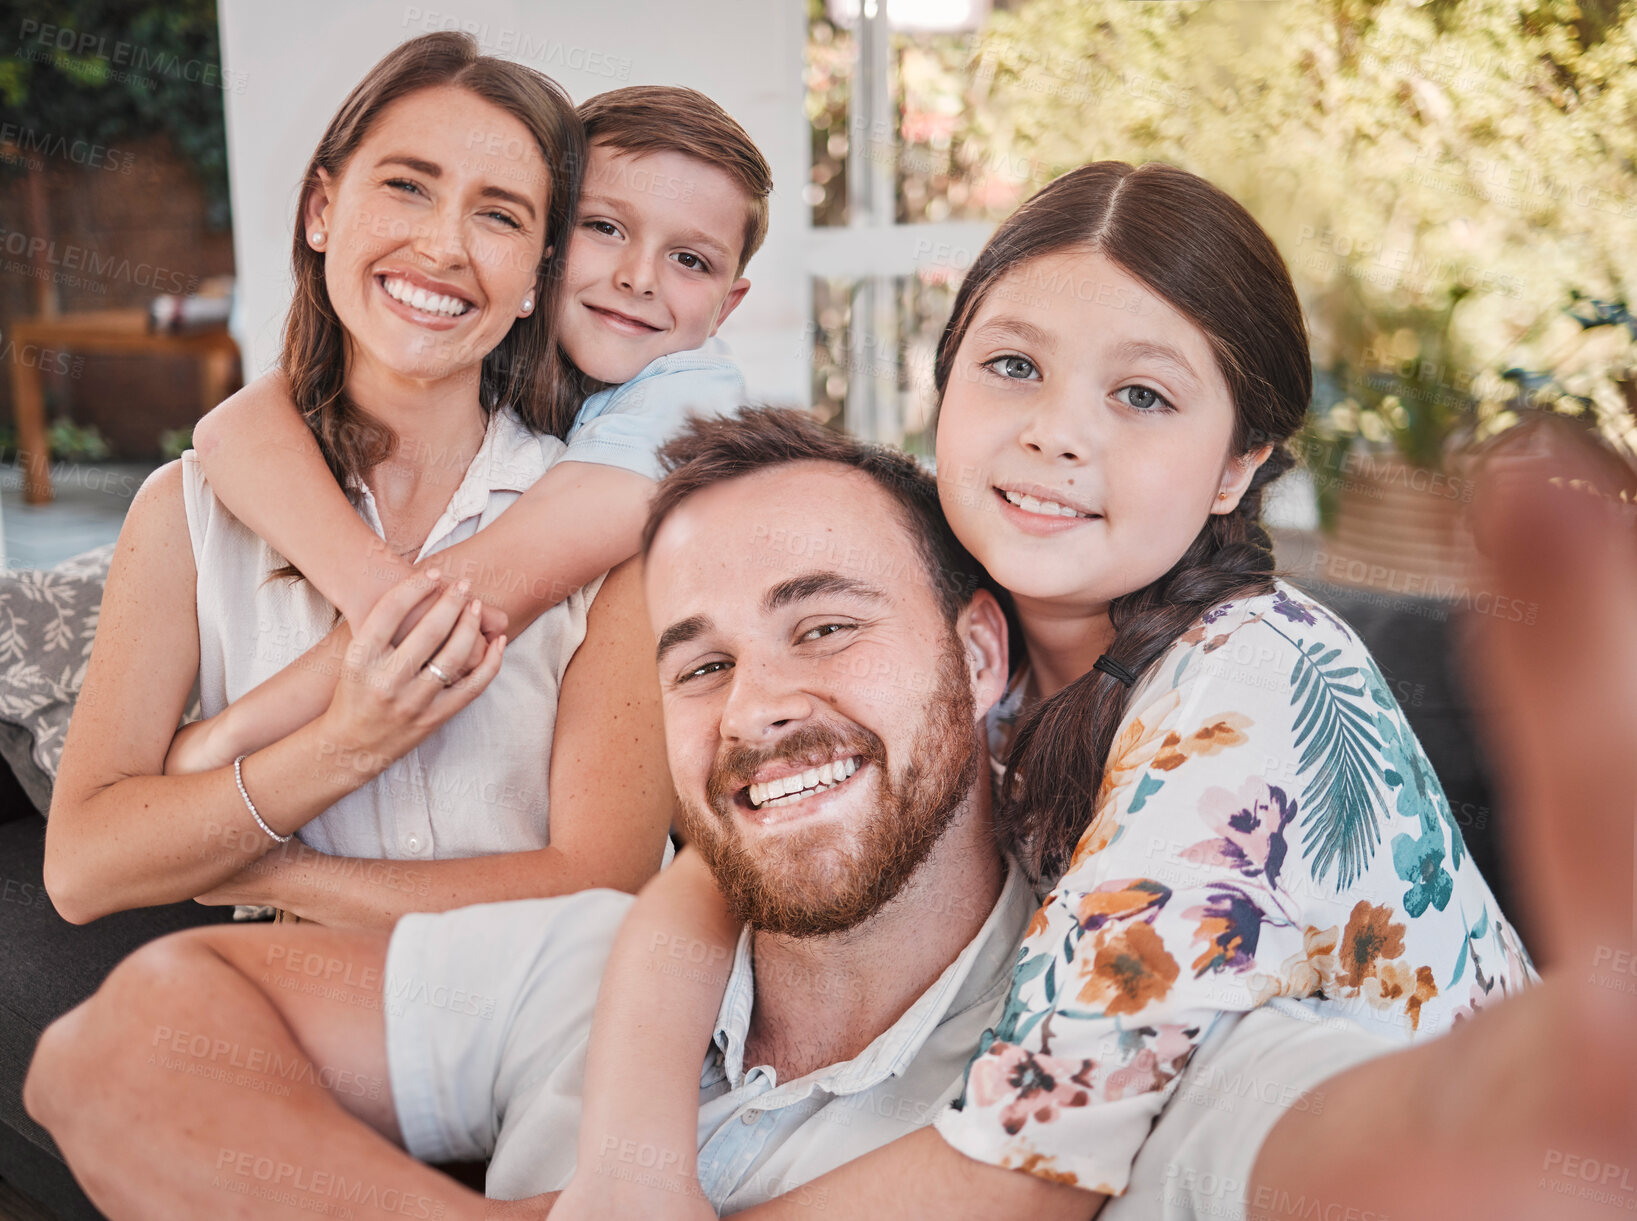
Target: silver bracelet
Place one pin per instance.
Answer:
(238, 777)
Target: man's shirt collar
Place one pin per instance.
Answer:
(981, 971)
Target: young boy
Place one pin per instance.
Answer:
(673, 206)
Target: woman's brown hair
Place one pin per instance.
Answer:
(1199, 250)
(525, 371)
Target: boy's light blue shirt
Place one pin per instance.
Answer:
(625, 425)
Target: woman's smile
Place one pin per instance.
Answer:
(422, 299)
(434, 311)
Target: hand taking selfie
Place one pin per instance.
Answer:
(1531, 1105)
(1564, 695)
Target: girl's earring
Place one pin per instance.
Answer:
(316, 237)
(528, 304)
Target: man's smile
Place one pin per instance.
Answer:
(789, 789)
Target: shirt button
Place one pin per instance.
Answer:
(414, 844)
(751, 1117)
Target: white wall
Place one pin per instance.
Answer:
(297, 59)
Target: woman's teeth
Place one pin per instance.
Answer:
(788, 789)
(1047, 508)
(427, 303)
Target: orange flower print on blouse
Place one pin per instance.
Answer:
(1267, 828)
(1137, 742)
(1223, 732)
(1371, 935)
(1129, 970)
(1122, 900)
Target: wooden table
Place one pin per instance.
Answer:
(36, 341)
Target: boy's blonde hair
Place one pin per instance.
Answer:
(669, 119)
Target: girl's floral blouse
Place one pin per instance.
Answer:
(1267, 826)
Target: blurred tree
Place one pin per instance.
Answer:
(105, 71)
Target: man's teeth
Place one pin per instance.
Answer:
(427, 303)
(1050, 508)
(788, 789)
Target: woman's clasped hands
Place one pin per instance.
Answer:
(390, 698)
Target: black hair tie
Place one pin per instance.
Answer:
(1109, 666)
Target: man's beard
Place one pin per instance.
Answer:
(814, 881)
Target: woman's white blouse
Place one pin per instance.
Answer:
(479, 784)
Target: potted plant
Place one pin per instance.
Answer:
(1392, 441)
(1379, 449)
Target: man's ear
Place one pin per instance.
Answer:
(1237, 478)
(315, 209)
(981, 629)
(736, 294)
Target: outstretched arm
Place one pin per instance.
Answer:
(655, 1008)
(1526, 1110)
(920, 1177)
(285, 1091)
(254, 448)
(579, 520)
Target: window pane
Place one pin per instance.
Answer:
(898, 364)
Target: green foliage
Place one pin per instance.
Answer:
(174, 442)
(72, 442)
(125, 70)
(1442, 177)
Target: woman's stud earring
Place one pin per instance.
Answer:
(316, 237)
(1221, 495)
(528, 304)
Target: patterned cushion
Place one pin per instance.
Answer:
(48, 617)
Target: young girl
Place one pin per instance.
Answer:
(556, 780)
(633, 300)
(1207, 762)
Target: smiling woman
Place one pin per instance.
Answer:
(420, 350)
(379, 206)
